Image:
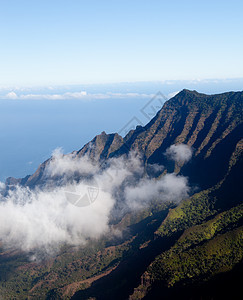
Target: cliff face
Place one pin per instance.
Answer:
(211, 125)
(101, 146)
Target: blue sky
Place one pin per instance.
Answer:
(70, 42)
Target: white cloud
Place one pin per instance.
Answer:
(179, 153)
(12, 95)
(69, 164)
(169, 188)
(64, 96)
(46, 219)
(2, 186)
(82, 95)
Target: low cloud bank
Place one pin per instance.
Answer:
(77, 211)
(42, 219)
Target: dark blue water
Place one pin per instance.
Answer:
(31, 130)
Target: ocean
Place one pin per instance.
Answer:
(31, 129)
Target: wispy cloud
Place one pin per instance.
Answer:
(179, 153)
(11, 95)
(169, 188)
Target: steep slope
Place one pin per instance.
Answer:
(211, 125)
(101, 146)
(197, 257)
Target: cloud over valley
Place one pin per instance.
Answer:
(46, 218)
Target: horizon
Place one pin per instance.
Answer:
(138, 89)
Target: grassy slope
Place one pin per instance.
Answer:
(201, 252)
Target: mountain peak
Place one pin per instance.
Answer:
(192, 92)
(189, 93)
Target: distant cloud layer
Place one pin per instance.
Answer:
(82, 95)
(119, 90)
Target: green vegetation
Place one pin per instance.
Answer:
(201, 251)
(189, 212)
(200, 262)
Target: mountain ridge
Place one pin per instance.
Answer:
(200, 121)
